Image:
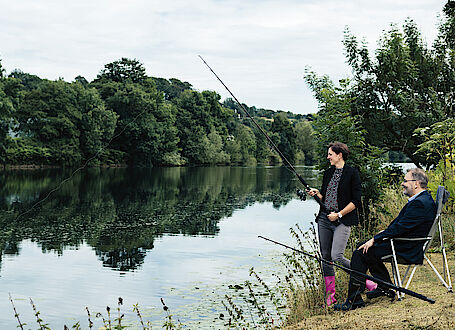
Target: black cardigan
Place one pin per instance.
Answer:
(349, 190)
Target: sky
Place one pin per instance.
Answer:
(259, 48)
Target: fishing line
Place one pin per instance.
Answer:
(85, 165)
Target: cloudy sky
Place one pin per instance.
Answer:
(260, 48)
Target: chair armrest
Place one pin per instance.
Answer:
(410, 238)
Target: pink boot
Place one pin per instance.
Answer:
(370, 285)
(330, 290)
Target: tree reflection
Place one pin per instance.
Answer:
(119, 212)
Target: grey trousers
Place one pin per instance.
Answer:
(332, 240)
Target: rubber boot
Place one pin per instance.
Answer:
(370, 285)
(330, 289)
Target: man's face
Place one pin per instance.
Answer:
(409, 185)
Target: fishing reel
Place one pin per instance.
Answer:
(301, 194)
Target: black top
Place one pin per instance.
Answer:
(414, 220)
(349, 190)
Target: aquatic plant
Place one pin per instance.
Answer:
(108, 322)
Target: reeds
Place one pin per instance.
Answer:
(108, 320)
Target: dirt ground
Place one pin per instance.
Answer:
(409, 313)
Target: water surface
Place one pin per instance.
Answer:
(182, 234)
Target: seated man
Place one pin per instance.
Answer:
(414, 220)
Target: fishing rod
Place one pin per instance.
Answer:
(283, 157)
(352, 271)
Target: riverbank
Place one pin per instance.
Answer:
(409, 313)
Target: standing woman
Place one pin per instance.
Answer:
(340, 193)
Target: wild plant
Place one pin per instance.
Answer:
(108, 322)
(296, 290)
(236, 319)
(169, 323)
(16, 314)
(42, 326)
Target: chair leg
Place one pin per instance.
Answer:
(406, 274)
(449, 288)
(445, 265)
(411, 276)
(446, 270)
(400, 295)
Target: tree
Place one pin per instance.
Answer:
(305, 142)
(334, 122)
(123, 70)
(396, 92)
(282, 128)
(81, 80)
(97, 125)
(171, 88)
(49, 116)
(6, 109)
(2, 70)
(146, 125)
(439, 144)
(198, 115)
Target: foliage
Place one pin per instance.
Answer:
(126, 117)
(123, 70)
(107, 322)
(334, 122)
(439, 143)
(294, 292)
(284, 136)
(305, 143)
(397, 91)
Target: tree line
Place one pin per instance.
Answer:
(399, 100)
(124, 116)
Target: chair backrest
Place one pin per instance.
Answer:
(442, 195)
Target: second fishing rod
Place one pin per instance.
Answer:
(272, 144)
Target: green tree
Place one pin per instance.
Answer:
(123, 70)
(198, 115)
(2, 70)
(439, 145)
(305, 142)
(97, 125)
(49, 116)
(334, 122)
(286, 138)
(171, 88)
(145, 130)
(6, 109)
(396, 92)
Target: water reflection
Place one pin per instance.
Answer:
(120, 212)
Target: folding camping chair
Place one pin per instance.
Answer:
(442, 195)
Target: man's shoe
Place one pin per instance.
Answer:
(348, 305)
(378, 292)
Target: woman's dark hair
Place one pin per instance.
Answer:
(338, 147)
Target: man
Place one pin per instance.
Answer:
(414, 220)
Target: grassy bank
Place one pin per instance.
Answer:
(307, 310)
(410, 313)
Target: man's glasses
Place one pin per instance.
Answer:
(404, 180)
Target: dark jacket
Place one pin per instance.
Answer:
(414, 220)
(349, 190)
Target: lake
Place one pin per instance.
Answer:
(76, 240)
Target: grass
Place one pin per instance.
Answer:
(410, 313)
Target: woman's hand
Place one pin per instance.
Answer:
(313, 192)
(333, 216)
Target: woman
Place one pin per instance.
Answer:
(340, 193)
